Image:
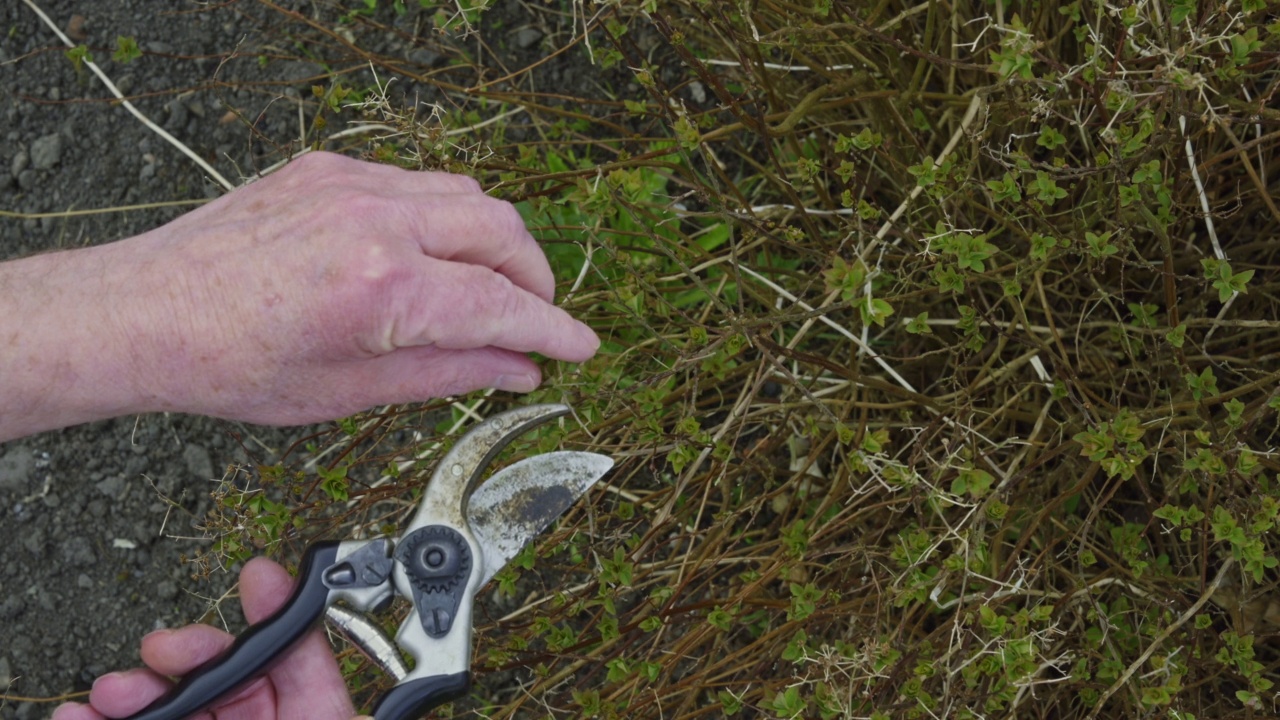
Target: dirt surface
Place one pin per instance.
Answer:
(98, 519)
(91, 560)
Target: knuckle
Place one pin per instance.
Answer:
(314, 161)
(495, 296)
(374, 262)
(364, 206)
(507, 222)
(453, 182)
(490, 299)
(467, 183)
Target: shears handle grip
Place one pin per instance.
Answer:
(257, 650)
(412, 699)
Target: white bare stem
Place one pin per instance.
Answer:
(1159, 639)
(1204, 199)
(217, 177)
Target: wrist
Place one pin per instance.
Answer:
(65, 359)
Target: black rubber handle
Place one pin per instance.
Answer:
(257, 650)
(412, 700)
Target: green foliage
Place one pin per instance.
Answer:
(127, 50)
(1227, 283)
(1116, 445)
(333, 482)
(999, 492)
(1014, 59)
(789, 704)
(1099, 245)
(1047, 190)
(972, 481)
(78, 55)
(1203, 385)
(1005, 189)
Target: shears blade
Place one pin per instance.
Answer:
(520, 501)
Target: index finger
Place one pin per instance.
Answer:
(475, 307)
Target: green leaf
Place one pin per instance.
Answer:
(976, 482)
(1243, 45)
(788, 703)
(804, 601)
(127, 50)
(948, 278)
(1144, 314)
(1202, 385)
(919, 325)
(1050, 138)
(1171, 513)
(730, 703)
(1129, 194)
(797, 649)
(1047, 190)
(78, 55)
(720, 618)
(1041, 245)
(847, 277)
(875, 310)
(1005, 189)
(1181, 10)
(866, 139)
(1100, 246)
(334, 483)
(926, 173)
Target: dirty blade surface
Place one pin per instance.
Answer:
(520, 501)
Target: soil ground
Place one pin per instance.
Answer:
(98, 520)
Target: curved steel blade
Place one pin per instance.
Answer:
(369, 639)
(451, 485)
(521, 500)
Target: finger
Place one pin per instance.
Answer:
(319, 166)
(120, 694)
(261, 704)
(481, 230)
(75, 711)
(420, 373)
(264, 588)
(307, 683)
(476, 308)
(178, 652)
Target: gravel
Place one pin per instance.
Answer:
(98, 521)
(87, 570)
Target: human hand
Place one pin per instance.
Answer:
(332, 286)
(304, 685)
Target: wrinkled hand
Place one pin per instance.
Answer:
(335, 285)
(304, 685)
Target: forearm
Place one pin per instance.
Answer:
(63, 356)
(327, 288)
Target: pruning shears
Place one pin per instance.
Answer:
(463, 533)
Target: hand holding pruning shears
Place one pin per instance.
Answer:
(463, 532)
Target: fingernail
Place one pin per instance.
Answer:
(516, 383)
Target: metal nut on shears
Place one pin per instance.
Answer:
(437, 561)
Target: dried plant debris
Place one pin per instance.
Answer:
(940, 349)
